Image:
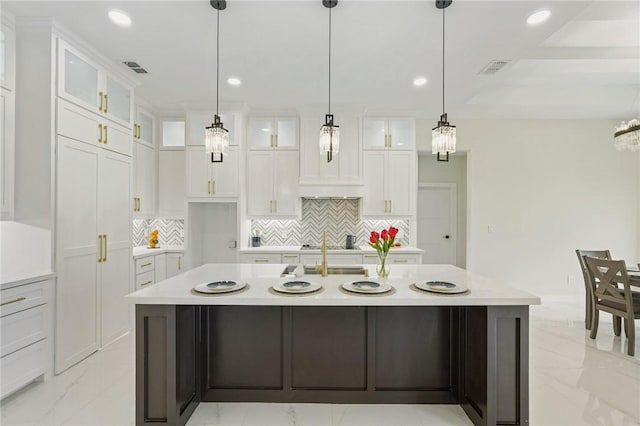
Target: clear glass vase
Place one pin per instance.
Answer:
(382, 268)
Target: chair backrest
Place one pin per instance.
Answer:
(600, 254)
(605, 275)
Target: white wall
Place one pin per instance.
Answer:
(538, 190)
(211, 228)
(454, 171)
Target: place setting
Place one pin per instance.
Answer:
(221, 287)
(295, 288)
(367, 287)
(438, 287)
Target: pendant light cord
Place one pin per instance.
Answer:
(329, 60)
(217, 59)
(443, 75)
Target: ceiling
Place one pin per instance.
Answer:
(584, 62)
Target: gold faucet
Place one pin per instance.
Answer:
(323, 268)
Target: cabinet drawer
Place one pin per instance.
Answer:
(144, 280)
(78, 123)
(22, 329)
(370, 258)
(332, 259)
(23, 297)
(400, 259)
(290, 258)
(145, 264)
(261, 258)
(22, 367)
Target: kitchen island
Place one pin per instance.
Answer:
(407, 346)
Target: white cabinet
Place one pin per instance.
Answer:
(389, 183)
(265, 133)
(393, 258)
(332, 259)
(206, 179)
(160, 267)
(144, 165)
(83, 82)
(82, 125)
(171, 183)
(144, 127)
(261, 258)
(272, 183)
(7, 57)
(175, 264)
(197, 121)
(382, 133)
(93, 249)
(7, 153)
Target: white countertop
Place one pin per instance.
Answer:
(297, 249)
(143, 251)
(178, 289)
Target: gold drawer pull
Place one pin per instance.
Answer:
(262, 261)
(147, 283)
(290, 255)
(400, 261)
(146, 264)
(19, 299)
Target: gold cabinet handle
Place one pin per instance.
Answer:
(390, 206)
(106, 134)
(261, 260)
(100, 137)
(16, 300)
(275, 206)
(275, 137)
(147, 283)
(106, 103)
(290, 255)
(400, 261)
(101, 94)
(179, 263)
(104, 237)
(146, 264)
(271, 141)
(138, 204)
(209, 187)
(213, 187)
(390, 141)
(100, 244)
(138, 129)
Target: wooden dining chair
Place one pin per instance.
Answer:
(588, 297)
(605, 276)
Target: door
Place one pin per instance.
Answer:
(374, 199)
(224, 175)
(145, 123)
(375, 133)
(78, 78)
(175, 264)
(287, 133)
(77, 253)
(260, 176)
(118, 102)
(400, 133)
(400, 182)
(260, 132)
(436, 223)
(198, 173)
(114, 222)
(144, 163)
(286, 183)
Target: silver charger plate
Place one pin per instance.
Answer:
(441, 287)
(296, 287)
(221, 286)
(366, 286)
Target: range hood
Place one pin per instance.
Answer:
(330, 188)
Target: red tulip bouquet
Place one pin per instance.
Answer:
(381, 242)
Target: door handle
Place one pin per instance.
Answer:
(179, 263)
(101, 94)
(100, 244)
(213, 187)
(106, 103)
(106, 134)
(209, 187)
(100, 137)
(104, 237)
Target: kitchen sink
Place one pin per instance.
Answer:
(331, 270)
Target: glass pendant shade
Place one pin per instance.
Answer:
(216, 139)
(443, 138)
(627, 136)
(329, 138)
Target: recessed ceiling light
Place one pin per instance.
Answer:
(538, 17)
(234, 81)
(420, 81)
(119, 18)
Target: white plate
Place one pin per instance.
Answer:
(440, 287)
(296, 286)
(366, 286)
(221, 286)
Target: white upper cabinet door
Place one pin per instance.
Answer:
(268, 133)
(7, 58)
(198, 173)
(287, 201)
(79, 78)
(144, 126)
(261, 133)
(401, 133)
(116, 138)
(117, 101)
(144, 161)
(260, 177)
(224, 175)
(375, 133)
(374, 201)
(399, 175)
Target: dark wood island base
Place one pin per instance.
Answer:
(475, 356)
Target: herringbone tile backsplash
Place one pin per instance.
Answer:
(338, 217)
(170, 231)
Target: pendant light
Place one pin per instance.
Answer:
(329, 132)
(216, 140)
(443, 136)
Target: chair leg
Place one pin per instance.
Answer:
(631, 336)
(588, 309)
(617, 325)
(594, 326)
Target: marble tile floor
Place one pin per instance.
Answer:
(573, 381)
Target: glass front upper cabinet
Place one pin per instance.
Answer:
(392, 133)
(118, 101)
(273, 132)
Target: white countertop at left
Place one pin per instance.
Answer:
(178, 289)
(144, 251)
